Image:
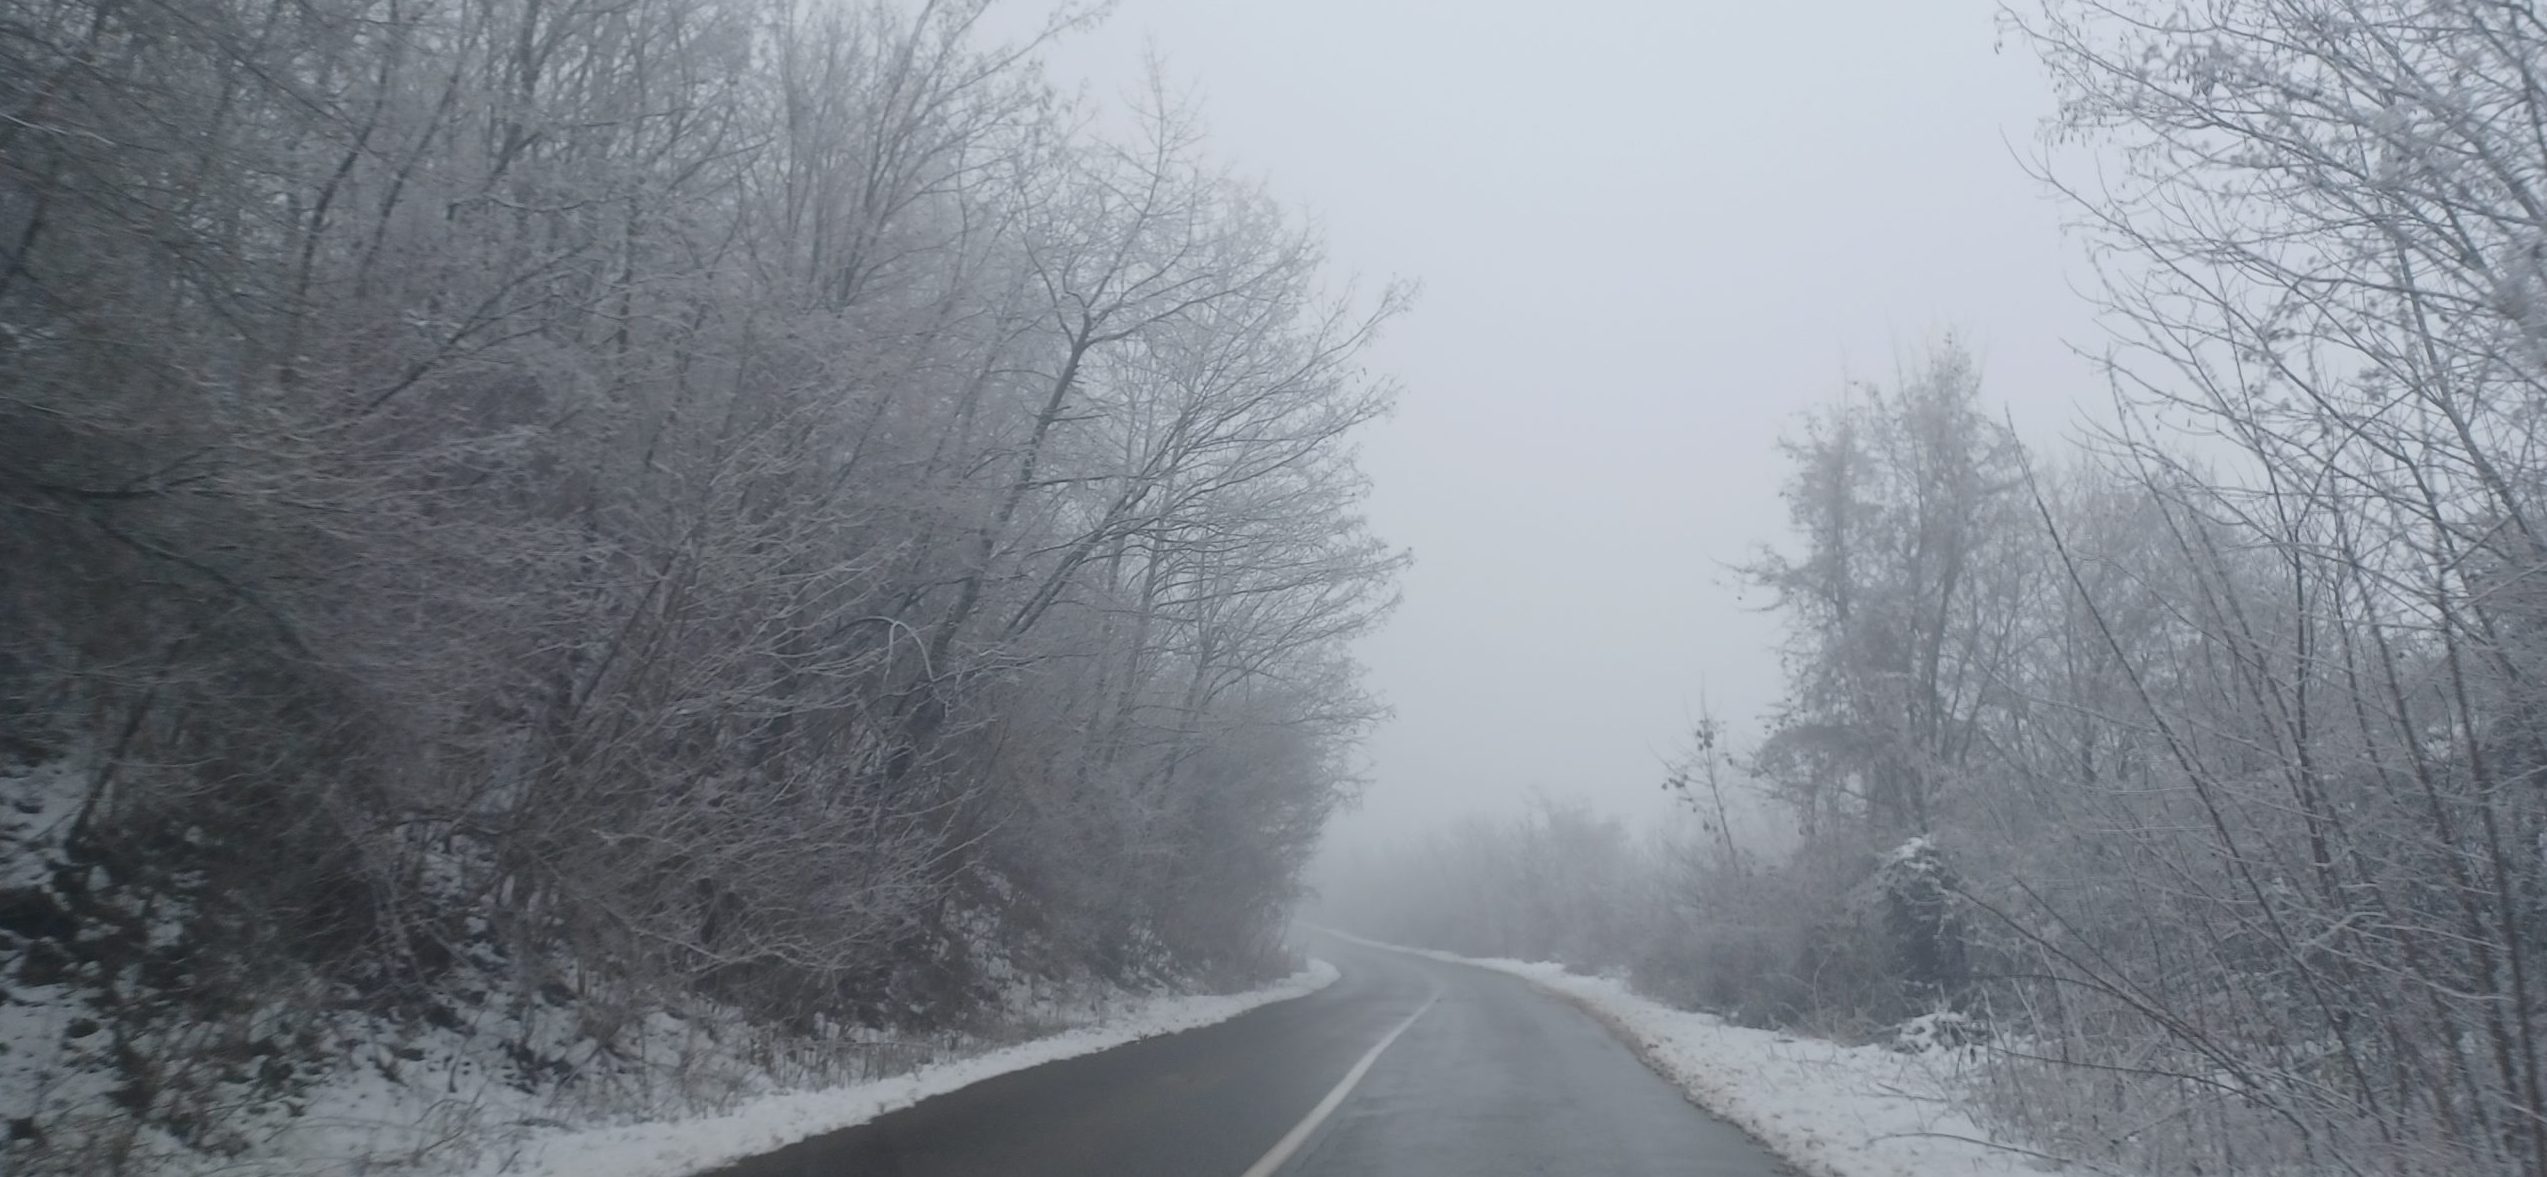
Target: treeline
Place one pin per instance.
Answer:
(701, 498)
(2205, 760)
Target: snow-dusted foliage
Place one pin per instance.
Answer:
(516, 513)
(2270, 842)
(119, 1051)
(2195, 774)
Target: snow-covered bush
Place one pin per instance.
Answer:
(1907, 910)
(734, 513)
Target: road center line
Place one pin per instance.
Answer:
(1299, 1134)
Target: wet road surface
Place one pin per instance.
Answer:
(1486, 1076)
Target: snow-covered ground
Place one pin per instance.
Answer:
(494, 1086)
(1832, 1110)
(672, 1148)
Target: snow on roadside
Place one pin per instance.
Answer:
(1832, 1110)
(675, 1148)
(473, 1086)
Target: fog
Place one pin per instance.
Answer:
(1648, 235)
(647, 579)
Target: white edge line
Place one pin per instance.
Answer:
(1299, 1134)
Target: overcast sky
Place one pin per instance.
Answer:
(1649, 233)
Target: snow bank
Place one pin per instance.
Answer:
(509, 1084)
(672, 1148)
(1832, 1110)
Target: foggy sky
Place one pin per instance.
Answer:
(1649, 234)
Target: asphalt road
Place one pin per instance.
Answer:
(1486, 1076)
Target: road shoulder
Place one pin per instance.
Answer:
(688, 1145)
(1828, 1109)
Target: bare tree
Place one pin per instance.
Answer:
(678, 501)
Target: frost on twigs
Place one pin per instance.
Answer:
(604, 557)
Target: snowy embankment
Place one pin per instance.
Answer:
(1832, 1110)
(307, 1081)
(674, 1148)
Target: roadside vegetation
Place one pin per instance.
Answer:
(2200, 762)
(664, 541)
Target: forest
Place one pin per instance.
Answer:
(607, 508)
(661, 550)
(2198, 762)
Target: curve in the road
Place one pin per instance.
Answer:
(1406, 1067)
